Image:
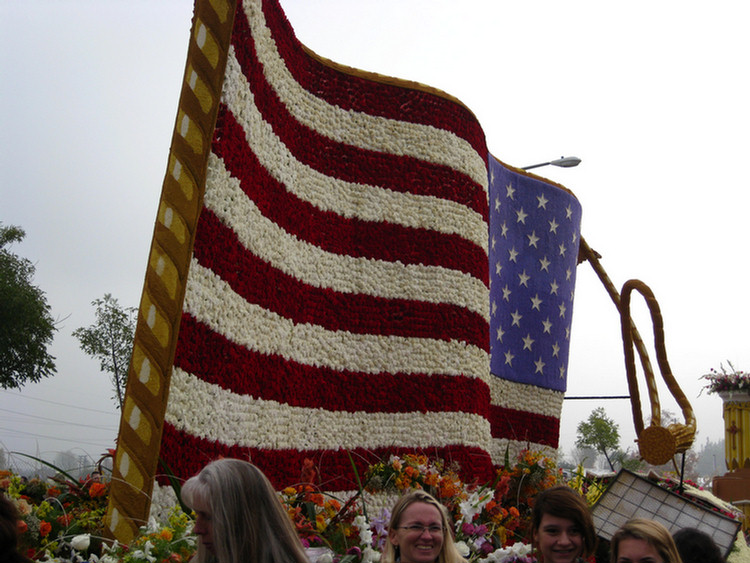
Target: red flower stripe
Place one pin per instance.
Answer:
(216, 360)
(331, 232)
(367, 96)
(350, 163)
(524, 426)
(186, 455)
(218, 249)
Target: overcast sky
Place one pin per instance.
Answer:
(652, 96)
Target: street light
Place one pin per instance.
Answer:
(563, 162)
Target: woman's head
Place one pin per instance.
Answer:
(420, 531)
(561, 526)
(239, 517)
(695, 546)
(643, 541)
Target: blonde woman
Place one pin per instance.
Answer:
(643, 541)
(420, 531)
(239, 517)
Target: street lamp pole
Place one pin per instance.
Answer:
(563, 162)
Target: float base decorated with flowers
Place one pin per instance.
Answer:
(61, 519)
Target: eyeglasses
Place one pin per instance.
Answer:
(419, 529)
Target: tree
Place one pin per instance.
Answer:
(599, 432)
(26, 324)
(110, 340)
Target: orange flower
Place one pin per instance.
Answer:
(165, 534)
(44, 528)
(65, 520)
(53, 492)
(308, 471)
(22, 527)
(97, 490)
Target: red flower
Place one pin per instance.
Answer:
(97, 490)
(22, 527)
(44, 528)
(65, 520)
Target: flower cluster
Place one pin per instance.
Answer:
(411, 471)
(491, 520)
(170, 542)
(59, 517)
(727, 380)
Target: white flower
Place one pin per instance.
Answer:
(325, 558)
(81, 542)
(518, 549)
(521, 548)
(463, 549)
(475, 504)
(369, 555)
(365, 534)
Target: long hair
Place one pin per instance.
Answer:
(249, 522)
(564, 502)
(448, 553)
(650, 531)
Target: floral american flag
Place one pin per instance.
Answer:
(336, 301)
(336, 276)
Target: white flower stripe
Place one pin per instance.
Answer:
(424, 142)
(347, 199)
(520, 396)
(213, 302)
(210, 412)
(316, 267)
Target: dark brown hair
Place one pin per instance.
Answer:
(564, 502)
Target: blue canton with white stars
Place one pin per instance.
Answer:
(533, 250)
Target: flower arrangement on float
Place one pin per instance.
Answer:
(727, 381)
(490, 519)
(62, 519)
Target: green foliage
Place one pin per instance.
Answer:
(110, 340)
(599, 432)
(26, 325)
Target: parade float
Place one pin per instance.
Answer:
(348, 289)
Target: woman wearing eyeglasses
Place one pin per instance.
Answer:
(420, 532)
